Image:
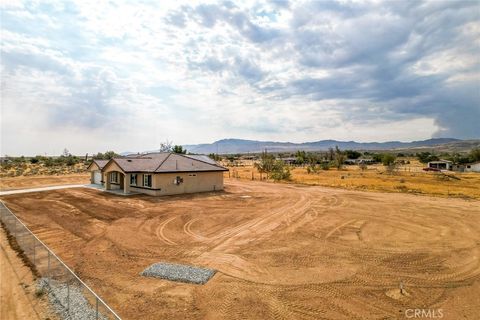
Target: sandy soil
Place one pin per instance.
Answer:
(17, 288)
(408, 179)
(42, 181)
(282, 251)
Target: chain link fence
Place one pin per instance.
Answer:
(70, 296)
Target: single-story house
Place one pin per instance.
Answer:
(289, 160)
(96, 175)
(472, 167)
(467, 167)
(161, 174)
(440, 165)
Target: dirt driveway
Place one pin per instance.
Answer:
(282, 251)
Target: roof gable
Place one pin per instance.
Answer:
(166, 162)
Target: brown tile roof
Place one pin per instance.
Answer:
(167, 162)
(100, 163)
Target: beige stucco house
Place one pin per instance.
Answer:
(159, 174)
(96, 175)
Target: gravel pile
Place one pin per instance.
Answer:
(179, 272)
(57, 295)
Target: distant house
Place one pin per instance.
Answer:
(440, 165)
(289, 160)
(467, 167)
(472, 167)
(159, 174)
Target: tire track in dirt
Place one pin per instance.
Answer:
(187, 228)
(337, 228)
(160, 232)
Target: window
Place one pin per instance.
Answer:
(147, 180)
(114, 177)
(133, 179)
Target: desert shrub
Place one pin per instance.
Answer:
(313, 168)
(34, 160)
(352, 154)
(425, 157)
(474, 155)
(377, 157)
(266, 163)
(301, 157)
(388, 159)
(280, 171)
(363, 166)
(71, 160)
(215, 157)
(339, 158)
(179, 149)
(325, 166)
(48, 162)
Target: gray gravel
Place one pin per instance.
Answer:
(179, 272)
(57, 295)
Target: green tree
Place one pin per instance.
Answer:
(352, 154)
(474, 155)
(266, 163)
(110, 155)
(215, 157)
(280, 171)
(339, 158)
(425, 157)
(301, 157)
(388, 159)
(179, 149)
(377, 157)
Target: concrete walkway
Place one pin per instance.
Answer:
(4, 193)
(67, 186)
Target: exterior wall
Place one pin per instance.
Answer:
(93, 167)
(163, 183)
(111, 167)
(440, 165)
(474, 167)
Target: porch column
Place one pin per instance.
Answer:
(107, 181)
(126, 183)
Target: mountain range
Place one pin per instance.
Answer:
(229, 146)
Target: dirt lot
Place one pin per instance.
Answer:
(283, 251)
(17, 288)
(406, 179)
(42, 181)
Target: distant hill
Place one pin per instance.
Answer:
(229, 146)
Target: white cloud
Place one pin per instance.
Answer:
(96, 75)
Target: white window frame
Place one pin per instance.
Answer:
(114, 177)
(145, 179)
(134, 178)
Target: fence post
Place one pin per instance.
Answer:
(15, 228)
(48, 266)
(34, 245)
(96, 315)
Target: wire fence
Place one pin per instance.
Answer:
(70, 296)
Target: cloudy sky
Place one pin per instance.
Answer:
(99, 75)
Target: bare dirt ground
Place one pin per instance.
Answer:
(17, 288)
(283, 251)
(22, 182)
